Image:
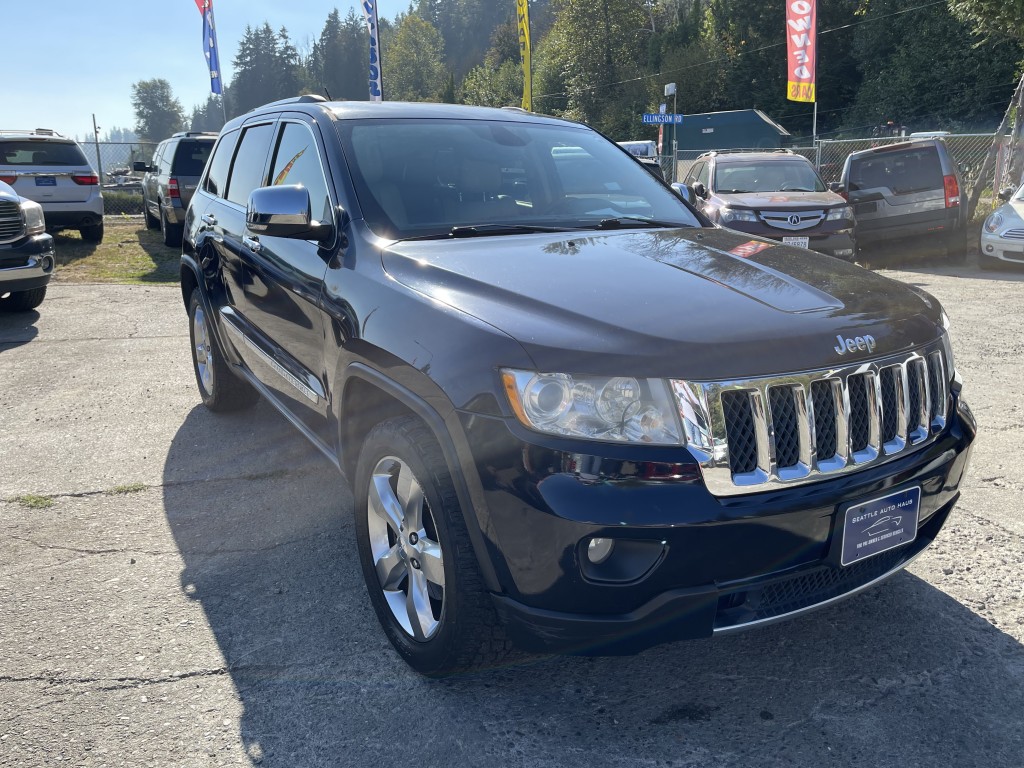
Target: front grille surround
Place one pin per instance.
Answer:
(867, 413)
(12, 223)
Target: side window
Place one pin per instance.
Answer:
(691, 175)
(216, 179)
(251, 159)
(704, 174)
(155, 162)
(164, 166)
(297, 161)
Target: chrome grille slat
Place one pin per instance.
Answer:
(1013, 234)
(788, 429)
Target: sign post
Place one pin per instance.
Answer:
(670, 90)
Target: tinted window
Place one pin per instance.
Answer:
(424, 177)
(767, 176)
(191, 157)
(901, 171)
(298, 162)
(217, 177)
(41, 153)
(691, 175)
(247, 170)
(703, 174)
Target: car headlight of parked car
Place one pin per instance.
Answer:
(993, 222)
(619, 409)
(842, 212)
(728, 215)
(34, 221)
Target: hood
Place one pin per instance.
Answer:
(7, 193)
(699, 304)
(783, 201)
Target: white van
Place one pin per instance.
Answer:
(640, 148)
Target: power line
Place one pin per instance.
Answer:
(666, 73)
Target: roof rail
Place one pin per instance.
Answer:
(714, 152)
(185, 134)
(33, 132)
(306, 98)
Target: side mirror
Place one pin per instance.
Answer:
(1006, 194)
(699, 189)
(684, 192)
(140, 167)
(284, 211)
(837, 187)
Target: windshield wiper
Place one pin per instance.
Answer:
(620, 222)
(479, 230)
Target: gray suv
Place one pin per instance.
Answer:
(171, 179)
(907, 190)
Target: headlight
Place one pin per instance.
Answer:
(732, 214)
(842, 212)
(618, 409)
(993, 222)
(947, 345)
(34, 220)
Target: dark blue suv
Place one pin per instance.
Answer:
(575, 415)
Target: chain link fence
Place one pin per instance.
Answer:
(122, 187)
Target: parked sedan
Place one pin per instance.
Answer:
(1002, 236)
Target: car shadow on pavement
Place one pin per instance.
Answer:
(17, 328)
(902, 675)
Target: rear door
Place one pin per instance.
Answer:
(47, 170)
(898, 187)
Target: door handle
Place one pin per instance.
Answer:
(252, 243)
(208, 219)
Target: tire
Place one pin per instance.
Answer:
(93, 234)
(23, 301)
(152, 222)
(987, 263)
(171, 232)
(418, 564)
(220, 387)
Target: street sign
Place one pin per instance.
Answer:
(657, 118)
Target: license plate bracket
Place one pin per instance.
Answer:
(880, 524)
(799, 242)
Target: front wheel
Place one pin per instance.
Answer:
(220, 387)
(416, 557)
(23, 301)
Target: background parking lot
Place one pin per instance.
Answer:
(170, 600)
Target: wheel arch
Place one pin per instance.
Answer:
(370, 397)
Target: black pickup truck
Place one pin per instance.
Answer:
(575, 415)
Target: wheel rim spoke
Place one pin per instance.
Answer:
(384, 503)
(391, 569)
(417, 606)
(432, 562)
(411, 497)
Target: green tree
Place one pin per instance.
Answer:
(413, 62)
(992, 18)
(158, 113)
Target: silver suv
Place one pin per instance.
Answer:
(51, 169)
(171, 179)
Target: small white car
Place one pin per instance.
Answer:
(51, 169)
(1002, 235)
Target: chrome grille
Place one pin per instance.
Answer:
(11, 225)
(767, 432)
(793, 221)
(1013, 234)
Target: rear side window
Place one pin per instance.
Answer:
(901, 171)
(216, 179)
(191, 157)
(251, 159)
(41, 153)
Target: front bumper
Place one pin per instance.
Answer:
(834, 242)
(694, 565)
(998, 249)
(26, 264)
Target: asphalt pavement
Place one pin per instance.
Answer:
(179, 588)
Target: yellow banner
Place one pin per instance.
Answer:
(523, 12)
(801, 91)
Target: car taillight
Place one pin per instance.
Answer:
(952, 190)
(85, 179)
(8, 179)
(172, 189)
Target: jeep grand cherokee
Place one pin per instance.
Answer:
(574, 414)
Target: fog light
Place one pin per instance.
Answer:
(599, 550)
(989, 248)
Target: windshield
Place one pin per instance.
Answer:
(30, 152)
(766, 176)
(427, 177)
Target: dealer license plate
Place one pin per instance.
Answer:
(799, 242)
(880, 524)
(46, 181)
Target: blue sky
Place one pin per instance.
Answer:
(72, 59)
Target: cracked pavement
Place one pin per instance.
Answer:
(185, 592)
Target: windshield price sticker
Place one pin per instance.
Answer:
(880, 524)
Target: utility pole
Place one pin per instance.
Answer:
(670, 90)
(96, 142)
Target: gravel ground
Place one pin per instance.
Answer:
(174, 600)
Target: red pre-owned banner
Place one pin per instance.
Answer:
(802, 44)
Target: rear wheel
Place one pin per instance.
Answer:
(220, 387)
(93, 234)
(171, 232)
(23, 301)
(417, 560)
(151, 221)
